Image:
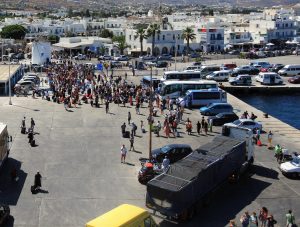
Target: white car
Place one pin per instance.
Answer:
(291, 168)
(270, 78)
(122, 58)
(246, 123)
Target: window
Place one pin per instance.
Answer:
(129, 37)
(173, 37)
(163, 37)
(158, 37)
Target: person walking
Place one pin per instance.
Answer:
(270, 137)
(131, 143)
(232, 223)
(158, 128)
(129, 117)
(133, 129)
(290, 219)
(123, 153)
(210, 123)
(37, 181)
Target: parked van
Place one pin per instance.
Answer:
(218, 76)
(124, 216)
(290, 70)
(216, 108)
(269, 78)
(241, 80)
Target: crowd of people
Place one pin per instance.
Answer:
(263, 219)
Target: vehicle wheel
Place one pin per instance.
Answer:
(233, 84)
(294, 175)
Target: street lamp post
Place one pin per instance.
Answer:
(9, 82)
(150, 115)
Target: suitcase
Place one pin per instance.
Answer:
(126, 134)
(23, 130)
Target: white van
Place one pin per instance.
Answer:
(219, 75)
(208, 69)
(290, 70)
(269, 78)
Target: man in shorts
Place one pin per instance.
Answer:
(123, 153)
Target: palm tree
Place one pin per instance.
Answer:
(151, 31)
(188, 35)
(141, 34)
(121, 43)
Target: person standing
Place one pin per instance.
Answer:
(245, 219)
(32, 124)
(198, 127)
(253, 220)
(107, 106)
(263, 215)
(165, 164)
(129, 117)
(210, 123)
(123, 153)
(131, 143)
(205, 127)
(37, 181)
(123, 128)
(290, 219)
(271, 221)
(270, 137)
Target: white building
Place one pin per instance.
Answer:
(211, 39)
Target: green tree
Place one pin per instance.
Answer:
(53, 39)
(105, 33)
(152, 30)
(141, 34)
(188, 35)
(13, 31)
(121, 43)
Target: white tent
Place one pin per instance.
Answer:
(270, 44)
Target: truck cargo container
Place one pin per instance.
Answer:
(187, 183)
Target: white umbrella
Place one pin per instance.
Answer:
(288, 42)
(294, 42)
(269, 44)
(228, 46)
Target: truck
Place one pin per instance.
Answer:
(190, 182)
(4, 143)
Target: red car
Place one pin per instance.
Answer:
(263, 70)
(230, 66)
(295, 80)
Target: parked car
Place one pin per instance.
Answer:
(167, 57)
(122, 58)
(223, 118)
(80, 57)
(161, 64)
(246, 123)
(194, 55)
(234, 52)
(230, 65)
(26, 84)
(197, 63)
(295, 80)
(241, 80)
(269, 78)
(4, 213)
(291, 168)
(245, 69)
(174, 152)
(216, 108)
(116, 64)
(218, 76)
(148, 58)
(276, 67)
